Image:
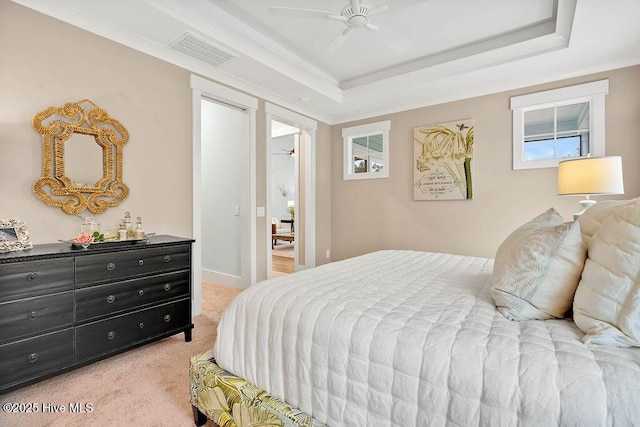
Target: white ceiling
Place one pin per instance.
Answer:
(426, 51)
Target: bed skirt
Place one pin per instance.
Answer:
(230, 401)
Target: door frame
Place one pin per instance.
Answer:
(202, 88)
(308, 127)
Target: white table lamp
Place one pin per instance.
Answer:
(590, 176)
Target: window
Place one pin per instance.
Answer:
(558, 124)
(366, 151)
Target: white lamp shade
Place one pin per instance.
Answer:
(591, 175)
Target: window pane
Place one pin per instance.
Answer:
(539, 150)
(375, 153)
(375, 143)
(359, 153)
(538, 124)
(568, 147)
(573, 117)
(361, 141)
(359, 165)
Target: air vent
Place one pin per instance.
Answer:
(201, 49)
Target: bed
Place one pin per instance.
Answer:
(408, 338)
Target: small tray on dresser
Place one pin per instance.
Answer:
(110, 243)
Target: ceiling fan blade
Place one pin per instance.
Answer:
(300, 13)
(403, 4)
(395, 40)
(337, 41)
(369, 26)
(378, 10)
(338, 18)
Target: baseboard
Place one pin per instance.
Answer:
(222, 279)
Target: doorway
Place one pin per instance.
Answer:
(282, 203)
(223, 253)
(294, 135)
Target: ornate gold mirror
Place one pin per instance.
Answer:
(74, 176)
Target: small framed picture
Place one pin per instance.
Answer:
(14, 235)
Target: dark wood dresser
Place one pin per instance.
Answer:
(62, 308)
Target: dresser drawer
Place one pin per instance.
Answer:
(35, 315)
(111, 266)
(22, 360)
(35, 277)
(100, 300)
(106, 336)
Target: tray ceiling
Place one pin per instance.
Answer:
(411, 53)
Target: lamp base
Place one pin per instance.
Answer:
(586, 204)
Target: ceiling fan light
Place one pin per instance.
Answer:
(358, 21)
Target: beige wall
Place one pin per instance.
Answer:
(46, 62)
(381, 213)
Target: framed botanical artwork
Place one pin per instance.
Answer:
(14, 235)
(442, 161)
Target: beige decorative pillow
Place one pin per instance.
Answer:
(607, 301)
(537, 268)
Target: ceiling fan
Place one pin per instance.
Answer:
(355, 15)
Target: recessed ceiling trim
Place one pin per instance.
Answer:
(545, 36)
(446, 82)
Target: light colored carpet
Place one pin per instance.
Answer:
(147, 386)
(285, 250)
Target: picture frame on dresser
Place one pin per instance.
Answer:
(14, 235)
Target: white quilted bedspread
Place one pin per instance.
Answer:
(408, 338)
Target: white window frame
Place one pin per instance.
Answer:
(593, 93)
(348, 134)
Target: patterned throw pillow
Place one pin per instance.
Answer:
(537, 269)
(607, 302)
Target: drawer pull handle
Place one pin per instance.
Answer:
(167, 318)
(111, 335)
(141, 325)
(32, 276)
(167, 258)
(33, 315)
(167, 286)
(141, 292)
(111, 266)
(141, 262)
(33, 357)
(111, 298)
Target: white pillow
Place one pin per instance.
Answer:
(607, 302)
(537, 269)
(593, 217)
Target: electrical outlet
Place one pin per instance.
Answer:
(260, 212)
(328, 253)
(237, 210)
